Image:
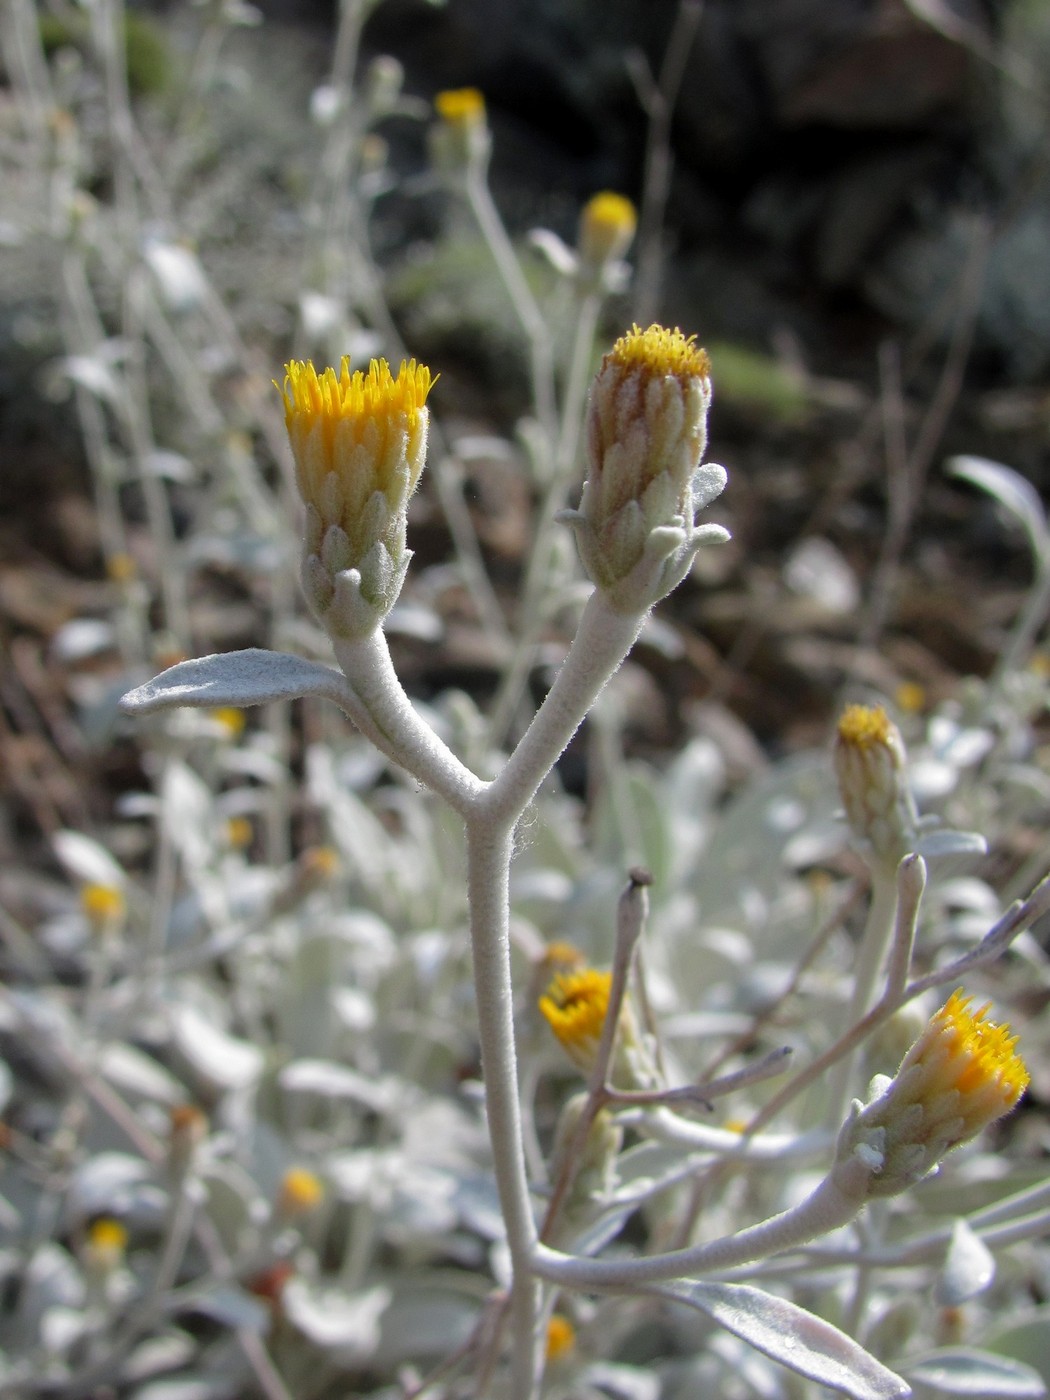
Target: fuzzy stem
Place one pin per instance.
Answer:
(488, 872)
(400, 733)
(603, 639)
(874, 942)
(834, 1203)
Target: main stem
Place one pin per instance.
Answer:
(488, 877)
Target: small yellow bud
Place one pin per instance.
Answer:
(230, 720)
(106, 1243)
(359, 442)
(561, 1337)
(316, 866)
(461, 106)
(870, 765)
(239, 833)
(189, 1128)
(301, 1192)
(646, 433)
(911, 697)
(104, 905)
(607, 225)
(961, 1074)
(460, 141)
(121, 568)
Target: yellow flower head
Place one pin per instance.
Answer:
(301, 1192)
(607, 225)
(961, 1074)
(359, 442)
(574, 1006)
(870, 766)
(561, 1337)
(646, 433)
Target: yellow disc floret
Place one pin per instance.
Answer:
(982, 1056)
(863, 726)
(660, 352)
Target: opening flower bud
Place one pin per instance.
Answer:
(961, 1074)
(646, 433)
(359, 442)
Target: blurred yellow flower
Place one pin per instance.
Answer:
(104, 905)
(561, 1337)
(574, 1006)
(460, 106)
(607, 225)
(301, 1191)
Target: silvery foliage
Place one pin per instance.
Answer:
(322, 1015)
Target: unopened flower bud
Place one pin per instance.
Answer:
(607, 226)
(104, 906)
(460, 139)
(561, 1337)
(105, 1246)
(301, 1192)
(384, 79)
(359, 442)
(595, 1167)
(871, 768)
(960, 1075)
(646, 433)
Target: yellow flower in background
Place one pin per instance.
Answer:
(574, 1006)
(461, 106)
(460, 140)
(961, 1074)
(607, 225)
(910, 697)
(871, 769)
(104, 906)
(359, 441)
(300, 1193)
(105, 1245)
(561, 1337)
(239, 832)
(230, 720)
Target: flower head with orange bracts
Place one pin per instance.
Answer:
(359, 442)
(961, 1074)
